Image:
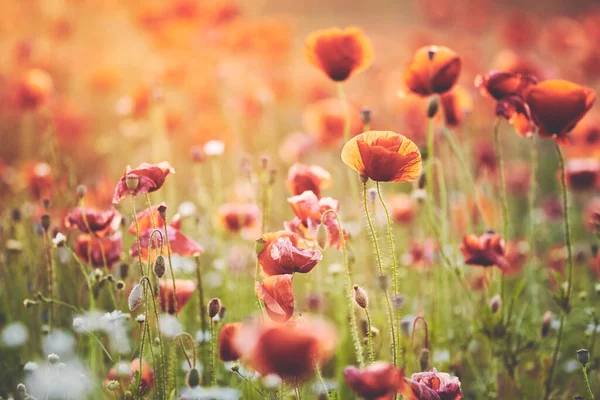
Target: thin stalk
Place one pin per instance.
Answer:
(321, 381)
(50, 271)
(347, 127)
(170, 266)
(249, 382)
(565, 197)
(100, 343)
(213, 372)
(587, 383)
(370, 337)
(201, 295)
(532, 233)
(549, 378)
(503, 197)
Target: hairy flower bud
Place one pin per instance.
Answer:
(322, 236)
(361, 297)
(135, 297)
(159, 266)
(193, 378)
(583, 355)
(214, 307)
(495, 303)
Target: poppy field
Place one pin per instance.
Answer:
(332, 200)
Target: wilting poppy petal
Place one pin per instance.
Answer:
(516, 111)
(278, 295)
(378, 381)
(443, 385)
(338, 53)
(227, 348)
(179, 243)
(433, 69)
(499, 84)
(282, 256)
(383, 156)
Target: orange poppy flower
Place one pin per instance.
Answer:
(558, 105)
(96, 251)
(456, 104)
(325, 120)
(146, 219)
(90, 220)
(403, 208)
(151, 178)
(278, 295)
(34, 89)
(433, 69)
(378, 381)
(282, 255)
(287, 350)
(227, 348)
(184, 290)
(302, 177)
(338, 53)
(383, 156)
(486, 250)
(235, 217)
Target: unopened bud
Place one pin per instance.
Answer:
(546, 322)
(363, 178)
(159, 266)
(271, 175)
(361, 297)
(45, 222)
(214, 307)
(424, 359)
(433, 106)
(495, 303)
(322, 236)
(235, 367)
(81, 191)
(21, 388)
(162, 211)
(120, 285)
(583, 355)
(132, 182)
(264, 162)
(135, 297)
(259, 245)
(193, 378)
(365, 115)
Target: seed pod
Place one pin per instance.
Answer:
(424, 359)
(193, 378)
(361, 297)
(135, 297)
(81, 191)
(322, 236)
(120, 285)
(495, 303)
(162, 211)
(132, 182)
(45, 222)
(363, 178)
(583, 355)
(159, 266)
(214, 307)
(259, 245)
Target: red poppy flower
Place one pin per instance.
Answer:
(420, 255)
(151, 178)
(456, 104)
(557, 106)
(591, 215)
(338, 53)
(179, 243)
(147, 378)
(278, 295)
(99, 251)
(582, 174)
(383, 156)
(90, 220)
(434, 385)
(235, 217)
(34, 89)
(403, 208)
(516, 111)
(585, 138)
(287, 350)
(227, 348)
(487, 250)
(282, 255)
(325, 120)
(433, 69)
(518, 178)
(303, 177)
(378, 381)
(184, 289)
(309, 212)
(517, 254)
(40, 180)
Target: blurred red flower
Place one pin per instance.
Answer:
(151, 178)
(227, 347)
(99, 251)
(377, 381)
(278, 295)
(486, 250)
(184, 289)
(90, 220)
(281, 255)
(302, 177)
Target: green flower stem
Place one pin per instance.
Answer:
(587, 383)
(503, 197)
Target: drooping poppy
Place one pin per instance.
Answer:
(184, 289)
(281, 255)
(278, 295)
(338, 53)
(486, 250)
(90, 220)
(558, 105)
(227, 347)
(383, 156)
(302, 177)
(433, 69)
(99, 251)
(235, 217)
(289, 351)
(377, 381)
(151, 178)
(457, 104)
(434, 385)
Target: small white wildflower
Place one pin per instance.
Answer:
(78, 324)
(187, 209)
(113, 385)
(203, 337)
(113, 316)
(53, 358)
(14, 334)
(170, 326)
(123, 369)
(135, 297)
(140, 319)
(59, 240)
(30, 366)
(214, 148)
(67, 383)
(59, 342)
(271, 381)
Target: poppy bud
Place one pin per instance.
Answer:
(132, 182)
(495, 303)
(81, 191)
(197, 154)
(360, 296)
(214, 307)
(264, 162)
(259, 245)
(583, 355)
(365, 115)
(162, 211)
(193, 378)
(433, 106)
(322, 236)
(135, 297)
(424, 359)
(45, 222)
(363, 178)
(97, 274)
(271, 174)
(21, 388)
(159, 266)
(546, 322)
(235, 367)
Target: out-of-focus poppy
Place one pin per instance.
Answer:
(227, 347)
(289, 351)
(383, 156)
(585, 138)
(591, 215)
(302, 177)
(522, 63)
(297, 145)
(433, 69)
(434, 385)
(420, 255)
(147, 378)
(184, 289)
(519, 29)
(412, 114)
(565, 37)
(457, 104)
(517, 254)
(485, 157)
(325, 120)
(90, 220)
(151, 178)
(34, 89)
(518, 178)
(39, 179)
(99, 252)
(338, 53)
(309, 212)
(486, 250)
(582, 174)
(403, 208)
(281, 255)
(377, 381)
(235, 217)
(558, 105)
(278, 295)
(179, 243)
